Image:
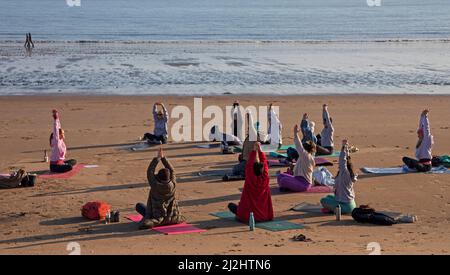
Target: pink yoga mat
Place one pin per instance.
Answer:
(182, 228)
(319, 189)
(67, 175)
(322, 162)
(134, 218)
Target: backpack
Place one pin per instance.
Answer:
(441, 160)
(368, 215)
(95, 210)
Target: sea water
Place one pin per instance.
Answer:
(208, 47)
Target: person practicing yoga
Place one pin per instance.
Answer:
(423, 146)
(160, 118)
(58, 162)
(162, 205)
(325, 139)
(344, 194)
(230, 140)
(307, 128)
(275, 128)
(247, 147)
(237, 120)
(302, 179)
(256, 194)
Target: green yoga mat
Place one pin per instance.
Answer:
(271, 225)
(285, 147)
(278, 155)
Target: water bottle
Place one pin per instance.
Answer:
(108, 217)
(45, 156)
(338, 212)
(251, 222)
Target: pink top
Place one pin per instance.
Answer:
(58, 146)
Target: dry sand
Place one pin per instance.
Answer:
(44, 219)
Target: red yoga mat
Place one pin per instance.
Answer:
(67, 175)
(174, 229)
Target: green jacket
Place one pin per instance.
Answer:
(162, 205)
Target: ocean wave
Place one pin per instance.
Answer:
(233, 41)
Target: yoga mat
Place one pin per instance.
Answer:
(307, 207)
(175, 229)
(277, 155)
(283, 155)
(279, 225)
(67, 175)
(224, 215)
(285, 147)
(134, 217)
(233, 178)
(319, 189)
(237, 149)
(277, 163)
(403, 170)
(213, 173)
(319, 162)
(270, 225)
(322, 162)
(266, 148)
(208, 146)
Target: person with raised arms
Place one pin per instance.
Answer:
(162, 204)
(255, 197)
(302, 179)
(344, 194)
(58, 162)
(422, 163)
(160, 132)
(325, 145)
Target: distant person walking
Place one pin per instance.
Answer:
(28, 41)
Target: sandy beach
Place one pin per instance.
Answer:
(45, 218)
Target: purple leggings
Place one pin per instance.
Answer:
(293, 183)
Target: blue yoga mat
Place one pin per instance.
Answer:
(274, 225)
